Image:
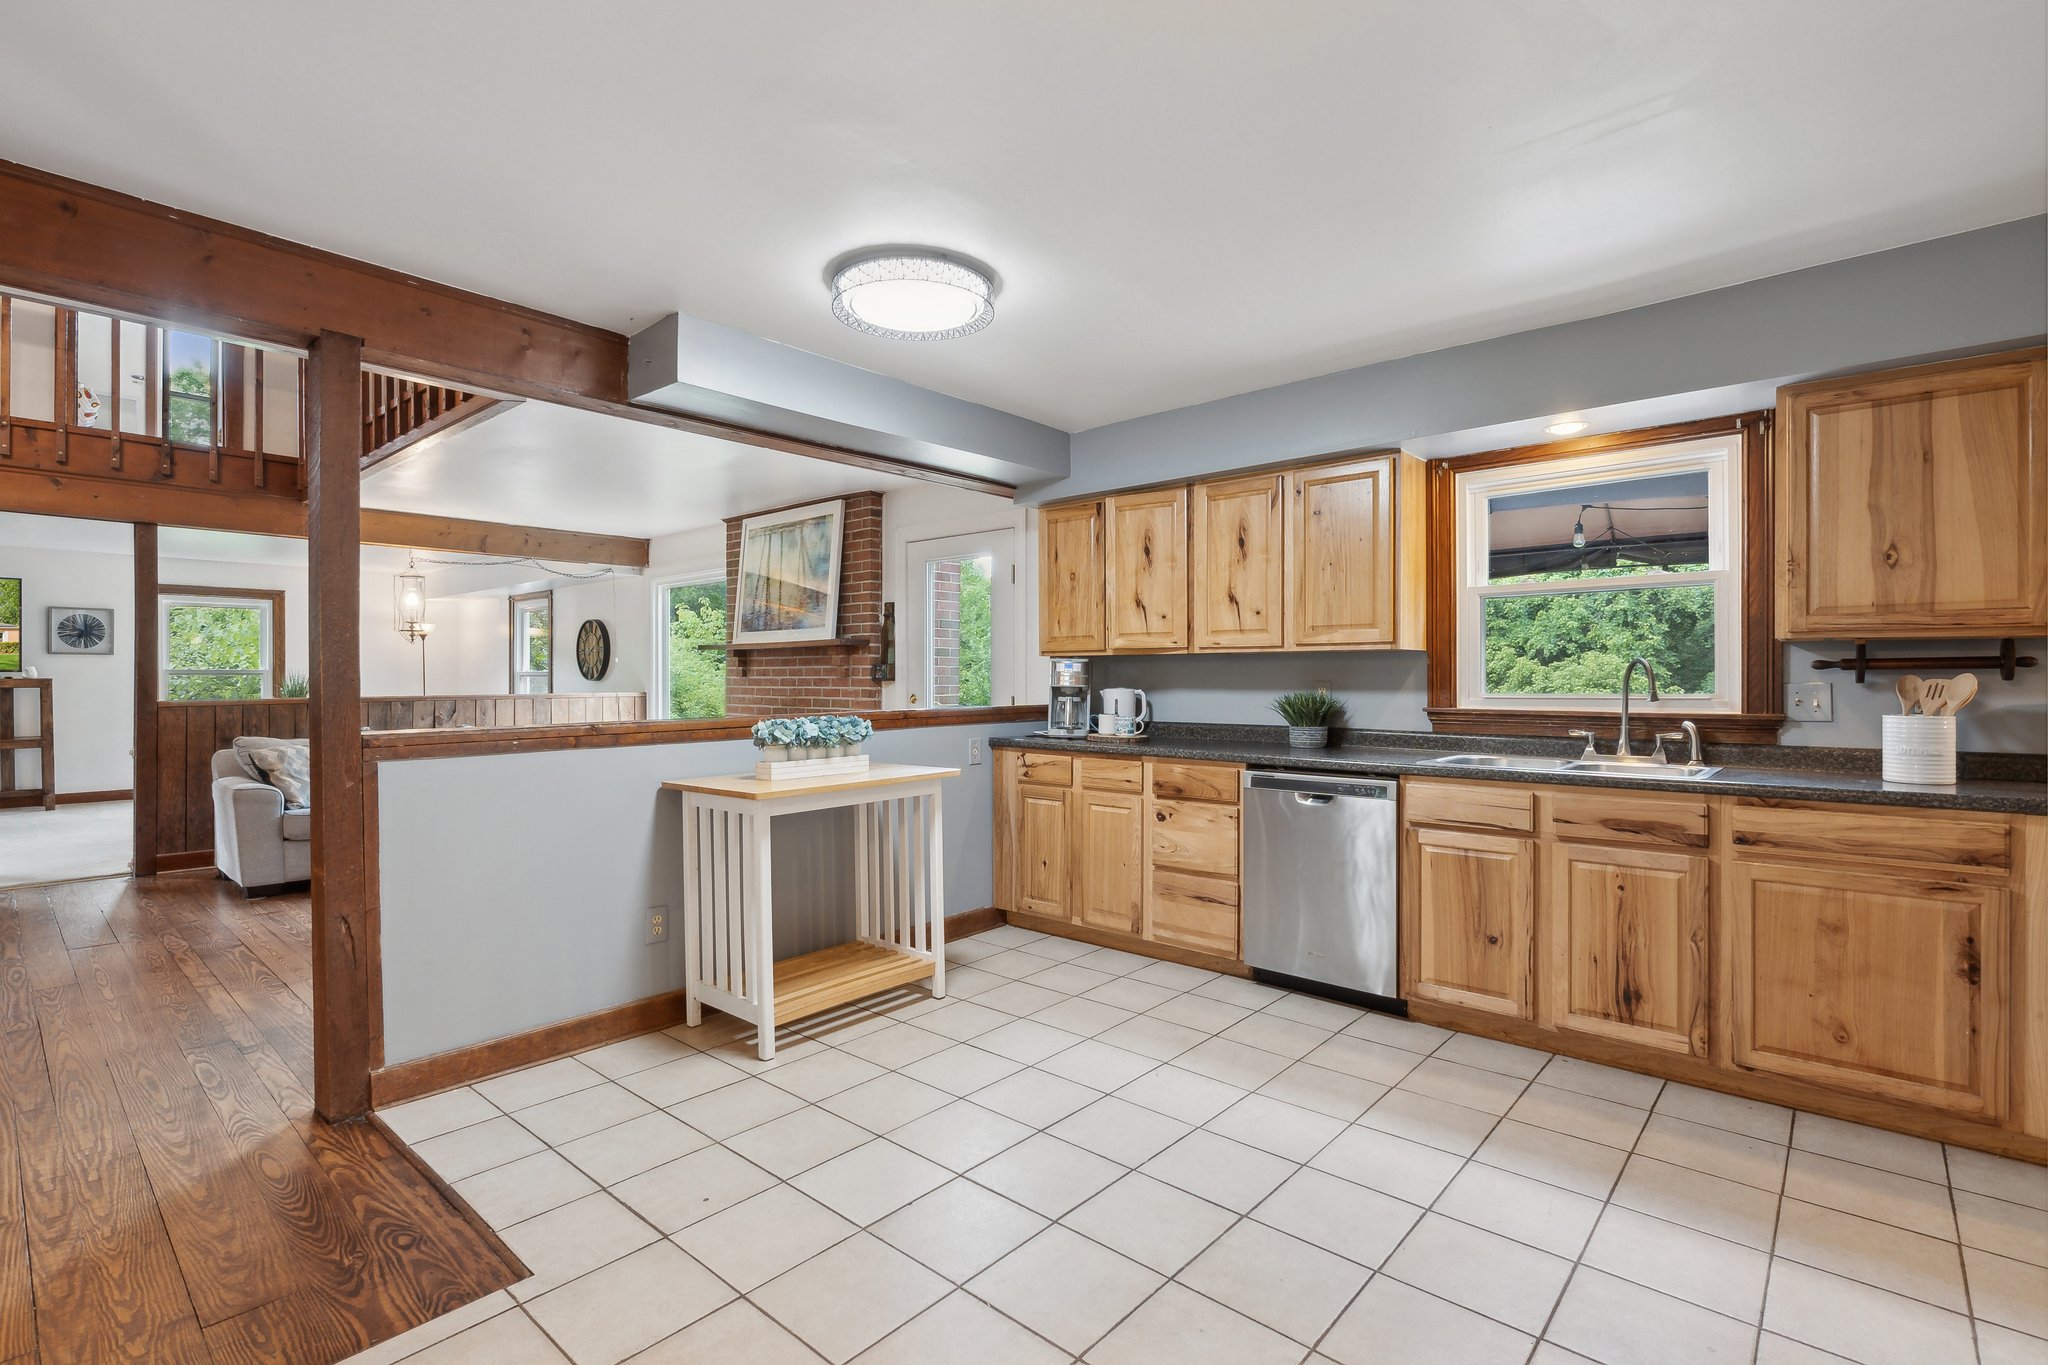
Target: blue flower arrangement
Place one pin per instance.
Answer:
(811, 732)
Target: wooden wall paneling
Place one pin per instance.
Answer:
(341, 1052)
(1237, 532)
(147, 803)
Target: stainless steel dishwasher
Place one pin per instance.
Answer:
(1320, 857)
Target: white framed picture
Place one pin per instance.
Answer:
(81, 630)
(789, 575)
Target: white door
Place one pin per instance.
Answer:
(958, 643)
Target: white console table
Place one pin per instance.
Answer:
(728, 894)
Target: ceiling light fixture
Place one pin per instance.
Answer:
(913, 295)
(1572, 428)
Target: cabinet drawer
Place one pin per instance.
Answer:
(1196, 781)
(1780, 828)
(1193, 911)
(1046, 770)
(1629, 818)
(1113, 774)
(1195, 836)
(1482, 805)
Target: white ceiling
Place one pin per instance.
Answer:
(1185, 198)
(626, 478)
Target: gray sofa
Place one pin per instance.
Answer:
(257, 843)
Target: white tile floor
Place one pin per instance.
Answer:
(1035, 1170)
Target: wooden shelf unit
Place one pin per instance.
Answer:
(43, 742)
(831, 977)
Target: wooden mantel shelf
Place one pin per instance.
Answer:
(842, 642)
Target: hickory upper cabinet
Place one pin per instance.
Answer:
(1070, 593)
(1237, 530)
(1354, 552)
(1915, 502)
(1145, 546)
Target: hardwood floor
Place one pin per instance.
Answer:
(166, 1192)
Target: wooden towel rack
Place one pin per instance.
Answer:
(2007, 661)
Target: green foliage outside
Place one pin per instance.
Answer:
(10, 624)
(191, 406)
(1577, 644)
(976, 645)
(696, 677)
(198, 640)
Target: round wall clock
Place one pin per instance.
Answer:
(593, 650)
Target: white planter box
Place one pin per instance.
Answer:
(778, 770)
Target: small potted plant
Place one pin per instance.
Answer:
(1308, 716)
(775, 738)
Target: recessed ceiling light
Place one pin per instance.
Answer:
(913, 296)
(1566, 428)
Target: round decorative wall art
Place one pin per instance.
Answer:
(593, 650)
(81, 630)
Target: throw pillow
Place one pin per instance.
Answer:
(248, 744)
(289, 768)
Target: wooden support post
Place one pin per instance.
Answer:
(341, 934)
(147, 688)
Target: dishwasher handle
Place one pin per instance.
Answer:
(1308, 786)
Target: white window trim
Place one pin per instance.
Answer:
(914, 636)
(657, 623)
(515, 655)
(1720, 457)
(265, 644)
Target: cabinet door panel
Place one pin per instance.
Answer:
(1888, 985)
(1628, 941)
(1239, 562)
(1470, 900)
(1044, 836)
(1070, 579)
(1197, 836)
(1190, 910)
(1340, 554)
(1112, 891)
(1146, 548)
(1916, 500)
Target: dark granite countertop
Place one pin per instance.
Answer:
(2014, 784)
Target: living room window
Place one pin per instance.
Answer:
(689, 614)
(220, 644)
(1568, 568)
(533, 643)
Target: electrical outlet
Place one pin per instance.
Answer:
(974, 753)
(657, 924)
(1810, 701)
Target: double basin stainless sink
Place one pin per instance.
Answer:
(1648, 769)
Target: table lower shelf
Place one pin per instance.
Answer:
(824, 980)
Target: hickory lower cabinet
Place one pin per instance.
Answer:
(1882, 965)
(1136, 852)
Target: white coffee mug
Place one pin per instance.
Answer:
(1128, 703)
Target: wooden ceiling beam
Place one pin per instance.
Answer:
(68, 495)
(79, 242)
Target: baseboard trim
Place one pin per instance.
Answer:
(1104, 938)
(186, 861)
(968, 923)
(479, 1061)
(87, 798)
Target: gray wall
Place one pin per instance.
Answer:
(1968, 292)
(515, 887)
(1387, 691)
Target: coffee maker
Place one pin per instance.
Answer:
(1067, 716)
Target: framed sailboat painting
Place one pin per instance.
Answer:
(789, 575)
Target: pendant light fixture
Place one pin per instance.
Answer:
(911, 294)
(409, 594)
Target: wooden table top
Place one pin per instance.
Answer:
(750, 788)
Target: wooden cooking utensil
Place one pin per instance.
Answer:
(1933, 691)
(1908, 689)
(1961, 688)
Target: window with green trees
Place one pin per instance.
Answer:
(1573, 567)
(216, 650)
(693, 616)
(189, 399)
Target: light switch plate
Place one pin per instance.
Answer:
(974, 753)
(1810, 701)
